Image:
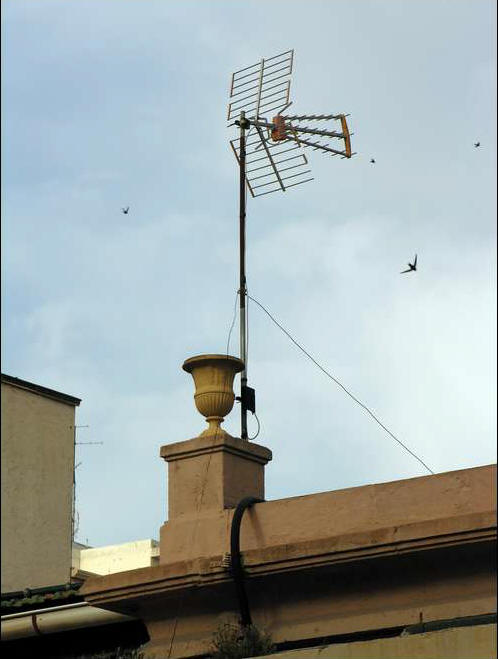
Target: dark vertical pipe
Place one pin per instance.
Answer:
(236, 564)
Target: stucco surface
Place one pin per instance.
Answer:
(462, 643)
(212, 473)
(117, 558)
(365, 516)
(373, 557)
(37, 480)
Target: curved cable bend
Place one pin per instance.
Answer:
(236, 563)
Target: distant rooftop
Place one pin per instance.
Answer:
(41, 391)
(109, 559)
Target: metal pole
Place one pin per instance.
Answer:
(73, 506)
(242, 288)
(73, 503)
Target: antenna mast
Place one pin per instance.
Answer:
(271, 159)
(242, 262)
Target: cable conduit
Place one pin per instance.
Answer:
(237, 570)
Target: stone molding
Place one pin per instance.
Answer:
(209, 571)
(197, 446)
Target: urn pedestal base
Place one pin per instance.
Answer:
(207, 476)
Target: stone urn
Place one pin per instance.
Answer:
(213, 378)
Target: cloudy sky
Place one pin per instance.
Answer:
(109, 104)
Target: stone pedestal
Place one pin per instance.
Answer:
(207, 477)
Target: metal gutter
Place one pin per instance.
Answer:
(57, 619)
(30, 592)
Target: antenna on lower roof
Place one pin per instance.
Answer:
(75, 517)
(271, 158)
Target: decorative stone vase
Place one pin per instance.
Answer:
(213, 378)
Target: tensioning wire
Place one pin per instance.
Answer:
(340, 385)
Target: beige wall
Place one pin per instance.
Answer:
(374, 557)
(462, 643)
(37, 479)
(116, 558)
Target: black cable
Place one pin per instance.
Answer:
(235, 560)
(247, 328)
(259, 428)
(341, 385)
(233, 321)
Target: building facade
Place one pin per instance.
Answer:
(406, 568)
(391, 570)
(37, 450)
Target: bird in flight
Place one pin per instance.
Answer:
(125, 210)
(477, 144)
(411, 266)
(372, 160)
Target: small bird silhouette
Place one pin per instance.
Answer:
(125, 210)
(477, 144)
(372, 160)
(411, 266)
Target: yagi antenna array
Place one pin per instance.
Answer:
(270, 153)
(275, 158)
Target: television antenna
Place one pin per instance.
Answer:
(271, 158)
(75, 517)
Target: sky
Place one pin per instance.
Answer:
(117, 103)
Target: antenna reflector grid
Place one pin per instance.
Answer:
(275, 167)
(262, 87)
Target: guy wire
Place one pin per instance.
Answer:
(341, 385)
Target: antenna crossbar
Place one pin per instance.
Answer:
(254, 93)
(313, 117)
(264, 78)
(268, 59)
(292, 148)
(317, 145)
(301, 129)
(272, 162)
(255, 169)
(314, 131)
(262, 185)
(284, 169)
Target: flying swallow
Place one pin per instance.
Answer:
(125, 210)
(411, 266)
(477, 144)
(372, 160)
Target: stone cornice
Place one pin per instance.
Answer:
(135, 585)
(224, 442)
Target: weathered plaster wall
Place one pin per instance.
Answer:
(37, 480)
(360, 516)
(367, 558)
(118, 558)
(463, 643)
